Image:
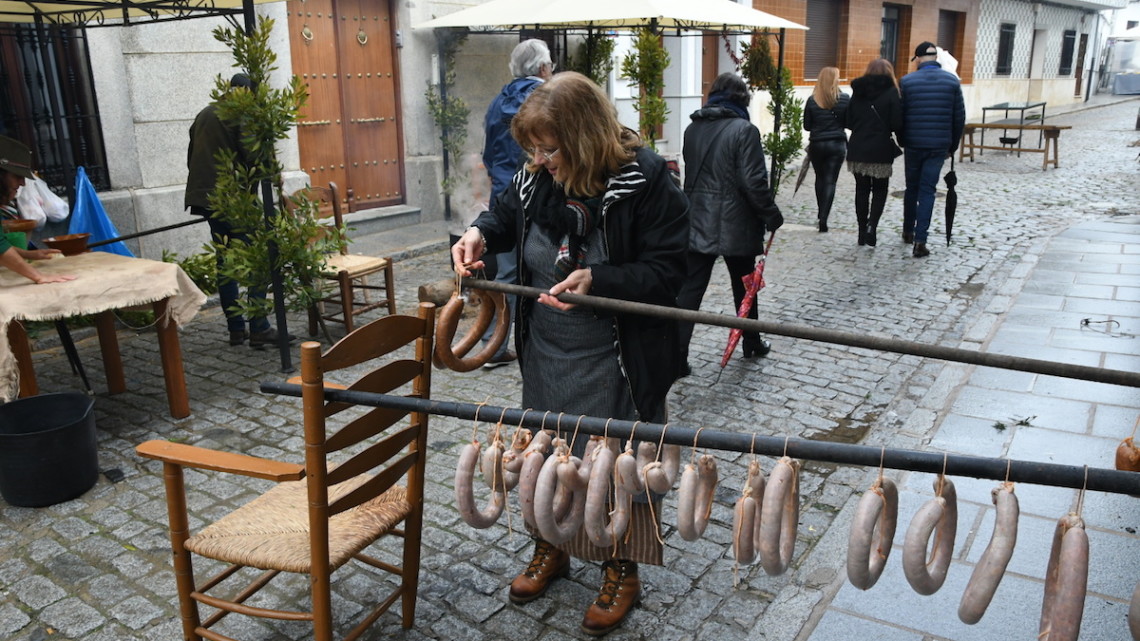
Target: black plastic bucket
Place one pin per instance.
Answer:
(47, 449)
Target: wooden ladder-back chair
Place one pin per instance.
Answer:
(350, 273)
(320, 514)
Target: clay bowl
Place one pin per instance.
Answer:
(19, 225)
(69, 244)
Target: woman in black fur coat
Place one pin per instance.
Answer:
(874, 113)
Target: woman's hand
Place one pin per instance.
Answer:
(467, 251)
(40, 254)
(578, 282)
(53, 278)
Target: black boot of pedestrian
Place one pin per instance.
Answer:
(920, 250)
(823, 225)
(871, 235)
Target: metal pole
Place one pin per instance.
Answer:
(443, 44)
(138, 234)
(898, 346)
(1052, 474)
(276, 278)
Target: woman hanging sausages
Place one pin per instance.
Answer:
(593, 212)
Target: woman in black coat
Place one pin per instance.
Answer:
(874, 114)
(827, 142)
(730, 204)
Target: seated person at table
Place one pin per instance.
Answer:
(15, 166)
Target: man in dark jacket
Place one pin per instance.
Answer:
(531, 66)
(934, 114)
(208, 136)
(730, 204)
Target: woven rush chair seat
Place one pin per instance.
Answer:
(348, 295)
(271, 532)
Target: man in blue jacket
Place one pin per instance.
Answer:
(530, 65)
(934, 114)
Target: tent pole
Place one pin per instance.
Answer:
(276, 279)
(778, 112)
(442, 45)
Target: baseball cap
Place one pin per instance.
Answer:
(15, 157)
(925, 49)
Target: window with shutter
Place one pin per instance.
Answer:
(47, 101)
(1068, 43)
(821, 47)
(1005, 49)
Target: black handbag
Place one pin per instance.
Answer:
(896, 151)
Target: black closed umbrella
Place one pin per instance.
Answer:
(951, 199)
(803, 172)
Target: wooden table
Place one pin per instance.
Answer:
(106, 282)
(1050, 133)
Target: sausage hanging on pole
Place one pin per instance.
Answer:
(939, 515)
(872, 533)
(990, 569)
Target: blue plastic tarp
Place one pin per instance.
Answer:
(89, 217)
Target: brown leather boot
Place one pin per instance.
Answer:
(620, 591)
(549, 563)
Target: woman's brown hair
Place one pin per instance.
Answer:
(882, 67)
(826, 92)
(592, 144)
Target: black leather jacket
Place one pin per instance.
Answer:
(825, 124)
(730, 203)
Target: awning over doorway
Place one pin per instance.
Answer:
(94, 13)
(714, 15)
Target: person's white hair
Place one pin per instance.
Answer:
(528, 57)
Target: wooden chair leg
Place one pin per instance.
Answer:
(390, 287)
(179, 532)
(347, 301)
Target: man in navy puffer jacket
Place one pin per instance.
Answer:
(934, 114)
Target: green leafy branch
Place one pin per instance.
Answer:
(645, 66)
(450, 112)
(264, 116)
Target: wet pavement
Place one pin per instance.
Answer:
(1041, 262)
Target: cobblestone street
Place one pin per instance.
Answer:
(98, 567)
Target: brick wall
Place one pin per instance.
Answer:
(859, 32)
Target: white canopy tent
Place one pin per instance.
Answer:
(707, 15)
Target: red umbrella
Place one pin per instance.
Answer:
(753, 283)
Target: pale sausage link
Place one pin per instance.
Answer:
(452, 357)
(745, 517)
(633, 473)
(512, 458)
(491, 466)
(780, 516)
(1134, 614)
(695, 498)
(940, 512)
(1066, 579)
(553, 528)
(605, 528)
(661, 475)
(990, 569)
(874, 525)
(533, 457)
(464, 492)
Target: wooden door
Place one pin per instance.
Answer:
(1080, 70)
(710, 59)
(349, 131)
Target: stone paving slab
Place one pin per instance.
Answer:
(98, 567)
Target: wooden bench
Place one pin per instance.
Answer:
(1051, 134)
